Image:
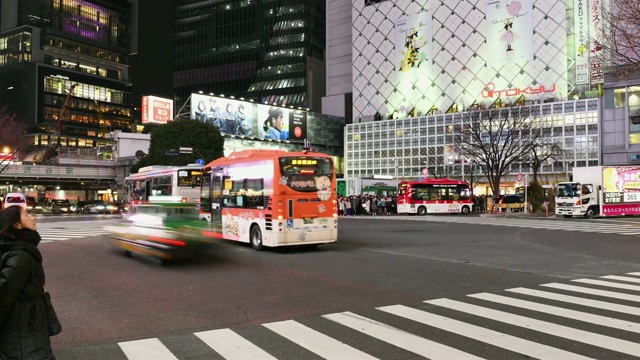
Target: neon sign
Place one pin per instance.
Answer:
(489, 91)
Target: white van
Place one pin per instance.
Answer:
(14, 199)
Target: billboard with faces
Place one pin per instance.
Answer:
(231, 116)
(234, 117)
(279, 123)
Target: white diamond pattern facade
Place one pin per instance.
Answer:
(459, 72)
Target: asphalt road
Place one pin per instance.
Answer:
(104, 298)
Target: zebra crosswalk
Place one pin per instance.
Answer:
(580, 319)
(67, 230)
(590, 226)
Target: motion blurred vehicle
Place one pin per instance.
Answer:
(59, 206)
(31, 203)
(96, 207)
(14, 199)
(161, 228)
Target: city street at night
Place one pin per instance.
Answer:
(391, 288)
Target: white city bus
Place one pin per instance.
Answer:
(173, 182)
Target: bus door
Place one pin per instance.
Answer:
(217, 185)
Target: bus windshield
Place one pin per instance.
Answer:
(306, 174)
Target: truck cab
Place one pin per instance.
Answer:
(575, 199)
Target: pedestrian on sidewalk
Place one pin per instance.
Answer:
(24, 324)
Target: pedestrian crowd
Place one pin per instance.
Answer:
(366, 205)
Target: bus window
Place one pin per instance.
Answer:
(189, 178)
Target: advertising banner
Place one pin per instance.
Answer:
(621, 190)
(595, 46)
(509, 31)
(235, 117)
(413, 47)
(581, 47)
(156, 110)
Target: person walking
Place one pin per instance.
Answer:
(24, 324)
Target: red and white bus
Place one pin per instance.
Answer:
(271, 198)
(434, 196)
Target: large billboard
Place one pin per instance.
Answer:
(621, 190)
(413, 50)
(235, 117)
(156, 110)
(597, 36)
(509, 31)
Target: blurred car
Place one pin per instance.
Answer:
(60, 206)
(31, 203)
(14, 199)
(97, 207)
(168, 232)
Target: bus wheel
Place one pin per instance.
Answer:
(465, 210)
(256, 238)
(422, 210)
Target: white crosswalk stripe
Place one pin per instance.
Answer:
(590, 226)
(543, 313)
(67, 230)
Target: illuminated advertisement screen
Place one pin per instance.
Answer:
(621, 190)
(156, 110)
(235, 117)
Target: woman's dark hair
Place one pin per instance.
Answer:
(274, 112)
(8, 217)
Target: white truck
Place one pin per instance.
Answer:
(599, 191)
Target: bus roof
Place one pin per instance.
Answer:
(165, 167)
(436, 181)
(261, 154)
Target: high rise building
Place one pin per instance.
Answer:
(64, 69)
(268, 51)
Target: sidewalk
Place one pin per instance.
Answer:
(518, 214)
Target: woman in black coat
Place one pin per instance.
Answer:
(24, 326)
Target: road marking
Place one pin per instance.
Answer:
(316, 342)
(147, 349)
(621, 278)
(399, 338)
(585, 290)
(608, 284)
(508, 342)
(605, 342)
(232, 346)
(579, 301)
(562, 312)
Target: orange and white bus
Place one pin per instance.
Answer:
(271, 198)
(181, 183)
(434, 196)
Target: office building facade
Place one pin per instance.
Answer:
(64, 70)
(420, 66)
(268, 51)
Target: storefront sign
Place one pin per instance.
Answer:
(490, 92)
(595, 46)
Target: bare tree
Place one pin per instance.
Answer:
(498, 138)
(12, 136)
(619, 39)
(542, 152)
(472, 173)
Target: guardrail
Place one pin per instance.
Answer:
(58, 172)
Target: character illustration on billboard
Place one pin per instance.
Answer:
(509, 36)
(230, 121)
(274, 125)
(412, 56)
(244, 123)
